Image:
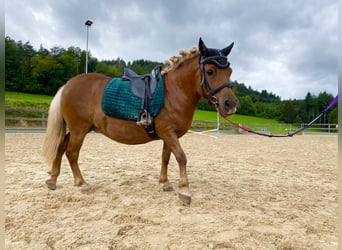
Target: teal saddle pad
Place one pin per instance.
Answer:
(119, 101)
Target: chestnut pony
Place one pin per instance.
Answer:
(76, 110)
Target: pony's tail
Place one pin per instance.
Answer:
(56, 129)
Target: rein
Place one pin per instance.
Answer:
(332, 104)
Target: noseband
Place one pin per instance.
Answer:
(221, 62)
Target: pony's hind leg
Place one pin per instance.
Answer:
(56, 166)
(72, 153)
(163, 179)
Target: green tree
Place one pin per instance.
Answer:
(288, 112)
(47, 74)
(323, 100)
(333, 116)
(23, 55)
(246, 106)
(142, 66)
(240, 89)
(204, 105)
(42, 51)
(70, 64)
(310, 107)
(268, 110)
(77, 54)
(12, 65)
(110, 70)
(56, 51)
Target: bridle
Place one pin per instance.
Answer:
(217, 60)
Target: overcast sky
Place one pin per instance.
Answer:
(287, 47)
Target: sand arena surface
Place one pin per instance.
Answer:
(248, 192)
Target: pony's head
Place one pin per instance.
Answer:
(215, 78)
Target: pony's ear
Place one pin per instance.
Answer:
(227, 50)
(202, 48)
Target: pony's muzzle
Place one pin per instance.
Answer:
(229, 106)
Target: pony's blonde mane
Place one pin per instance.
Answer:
(175, 61)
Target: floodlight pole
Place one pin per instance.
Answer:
(88, 23)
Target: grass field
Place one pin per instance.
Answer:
(212, 116)
(23, 97)
(26, 101)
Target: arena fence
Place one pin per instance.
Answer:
(36, 120)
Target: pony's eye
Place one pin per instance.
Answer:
(210, 72)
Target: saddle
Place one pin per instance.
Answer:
(143, 86)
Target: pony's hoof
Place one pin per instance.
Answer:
(167, 187)
(51, 184)
(185, 199)
(85, 188)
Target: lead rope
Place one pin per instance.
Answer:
(332, 104)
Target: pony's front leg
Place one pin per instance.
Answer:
(184, 191)
(163, 179)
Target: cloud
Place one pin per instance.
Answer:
(286, 47)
